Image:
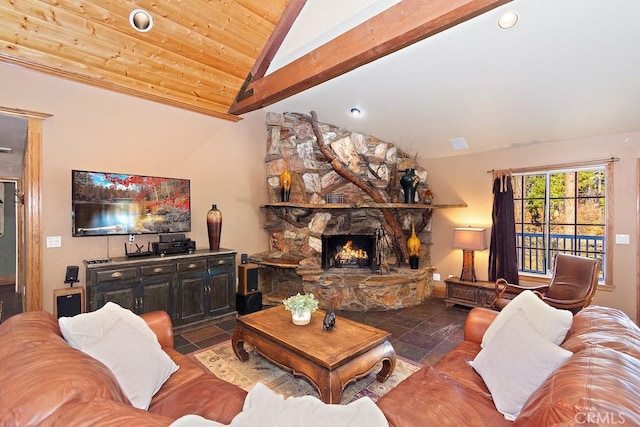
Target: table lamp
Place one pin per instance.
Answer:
(468, 239)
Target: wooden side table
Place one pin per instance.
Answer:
(470, 294)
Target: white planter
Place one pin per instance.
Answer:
(302, 319)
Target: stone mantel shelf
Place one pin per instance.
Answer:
(417, 206)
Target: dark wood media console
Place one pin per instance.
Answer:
(190, 287)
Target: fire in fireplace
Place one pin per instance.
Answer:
(348, 251)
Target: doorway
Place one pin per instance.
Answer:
(8, 234)
(26, 170)
(10, 299)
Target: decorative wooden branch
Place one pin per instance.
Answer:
(424, 221)
(391, 224)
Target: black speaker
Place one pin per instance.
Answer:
(247, 278)
(72, 274)
(248, 303)
(69, 305)
(68, 302)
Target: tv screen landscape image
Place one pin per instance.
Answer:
(114, 203)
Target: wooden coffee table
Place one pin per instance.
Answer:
(329, 360)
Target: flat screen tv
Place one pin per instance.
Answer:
(116, 203)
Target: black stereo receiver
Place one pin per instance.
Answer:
(170, 248)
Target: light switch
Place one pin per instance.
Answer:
(436, 277)
(622, 239)
(54, 241)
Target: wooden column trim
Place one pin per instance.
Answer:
(24, 113)
(29, 230)
(32, 180)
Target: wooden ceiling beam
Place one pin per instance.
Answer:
(399, 26)
(274, 42)
(270, 49)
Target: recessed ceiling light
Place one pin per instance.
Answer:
(141, 20)
(355, 112)
(508, 20)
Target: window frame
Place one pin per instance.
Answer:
(606, 283)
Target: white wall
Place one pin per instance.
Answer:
(465, 179)
(95, 129)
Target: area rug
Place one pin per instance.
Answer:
(221, 360)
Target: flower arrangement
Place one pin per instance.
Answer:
(427, 195)
(299, 304)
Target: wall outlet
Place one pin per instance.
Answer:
(436, 277)
(54, 242)
(622, 239)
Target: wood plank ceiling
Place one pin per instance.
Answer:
(197, 55)
(208, 56)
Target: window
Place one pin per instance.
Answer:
(560, 211)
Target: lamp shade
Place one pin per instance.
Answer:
(469, 238)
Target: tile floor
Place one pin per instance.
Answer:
(423, 333)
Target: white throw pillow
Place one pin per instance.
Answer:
(139, 364)
(516, 362)
(550, 322)
(86, 329)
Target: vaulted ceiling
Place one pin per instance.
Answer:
(204, 54)
(422, 71)
(569, 69)
(196, 54)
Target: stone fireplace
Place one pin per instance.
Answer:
(349, 251)
(324, 239)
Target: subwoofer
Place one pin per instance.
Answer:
(68, 302)
(247, 278)
(248, 303)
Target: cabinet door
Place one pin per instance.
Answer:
(122, 293)
(117, 284)
(219, 291)
(156, 294)
(191, 296)
(156, 287)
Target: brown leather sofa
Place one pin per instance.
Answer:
(599, 384)
(43, 381)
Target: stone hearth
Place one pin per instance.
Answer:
(293, 262)
(357, 289)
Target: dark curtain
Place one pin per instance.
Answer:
(503, 262)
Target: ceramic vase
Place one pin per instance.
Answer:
(285, 185)
(301, 319)
(214, 227)
(413, 244)
(409, 183)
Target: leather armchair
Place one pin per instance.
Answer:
(572, 287)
